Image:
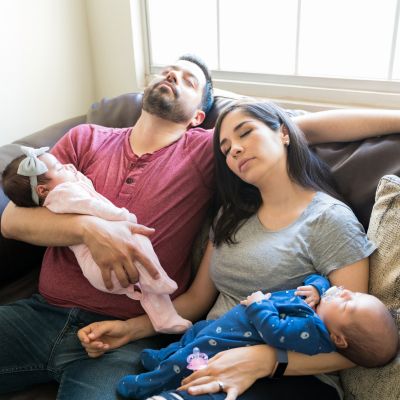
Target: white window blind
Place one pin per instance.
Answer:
(332, 51)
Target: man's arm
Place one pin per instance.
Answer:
(348, 124)
(41, 227)
(112, 244)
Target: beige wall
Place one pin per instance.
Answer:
(46, 68)
(58, 56)
(110, 32)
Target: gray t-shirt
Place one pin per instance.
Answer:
(325, 237)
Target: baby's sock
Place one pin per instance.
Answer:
(162, 313)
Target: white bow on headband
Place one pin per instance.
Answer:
(31, 166)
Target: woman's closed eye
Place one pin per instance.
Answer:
(226, 151)
(245, 133)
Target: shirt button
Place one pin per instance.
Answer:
(129, 181)
(132, 165)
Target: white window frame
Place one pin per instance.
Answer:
(313, 93)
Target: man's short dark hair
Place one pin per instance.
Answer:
(208, 97)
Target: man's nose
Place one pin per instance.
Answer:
(172, 77)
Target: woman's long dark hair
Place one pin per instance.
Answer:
(238, 200)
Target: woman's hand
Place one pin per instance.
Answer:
(236, 369)
(99, 337)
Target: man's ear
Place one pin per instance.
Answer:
(42, 191)
(198, 118)
(339, 340)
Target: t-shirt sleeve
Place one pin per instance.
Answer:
(70, 148)
(338, 240)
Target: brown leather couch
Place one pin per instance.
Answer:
(357, 168)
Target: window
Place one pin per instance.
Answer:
(331, 51)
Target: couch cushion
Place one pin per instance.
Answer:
(384, 230)
(124, 110)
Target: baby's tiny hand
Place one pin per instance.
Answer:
(254, 297)
(310, 293)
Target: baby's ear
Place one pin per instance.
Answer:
(42, 191)
(339, 340)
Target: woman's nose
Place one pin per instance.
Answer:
(235, 150)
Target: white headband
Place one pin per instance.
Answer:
(31, 166)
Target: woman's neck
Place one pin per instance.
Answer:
(283, 203)
(152, 133)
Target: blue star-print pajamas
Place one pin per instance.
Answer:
(284, 321)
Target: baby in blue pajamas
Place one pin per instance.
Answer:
(281, 319)
(284, 320)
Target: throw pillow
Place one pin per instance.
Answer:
(384, 230)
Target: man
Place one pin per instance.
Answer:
(161, 170)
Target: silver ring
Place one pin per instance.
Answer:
(221, 386)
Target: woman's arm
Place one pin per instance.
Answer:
(353, 277)
(348, 124)
(199, 298)
(239, 368)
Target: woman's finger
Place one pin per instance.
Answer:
(232, 394)
(199, 381)
(210, 387)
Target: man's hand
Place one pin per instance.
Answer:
(254, 297)
(310, 293)
(114, 246)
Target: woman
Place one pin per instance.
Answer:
(276, 225)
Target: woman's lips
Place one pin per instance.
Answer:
(243, 163)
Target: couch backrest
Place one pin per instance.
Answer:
(357, 166)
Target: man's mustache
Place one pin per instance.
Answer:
(171, 85)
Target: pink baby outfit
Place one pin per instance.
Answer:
(81, 198)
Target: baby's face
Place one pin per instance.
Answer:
(338, 307)
(57, 172)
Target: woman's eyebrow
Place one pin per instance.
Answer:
(238, 126)
(235, 129)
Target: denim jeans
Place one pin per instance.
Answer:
(39, 343)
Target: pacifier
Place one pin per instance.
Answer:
(197, 360)
(333, 291)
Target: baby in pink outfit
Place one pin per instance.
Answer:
(63, 189)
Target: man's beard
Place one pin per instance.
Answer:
(157, 102)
